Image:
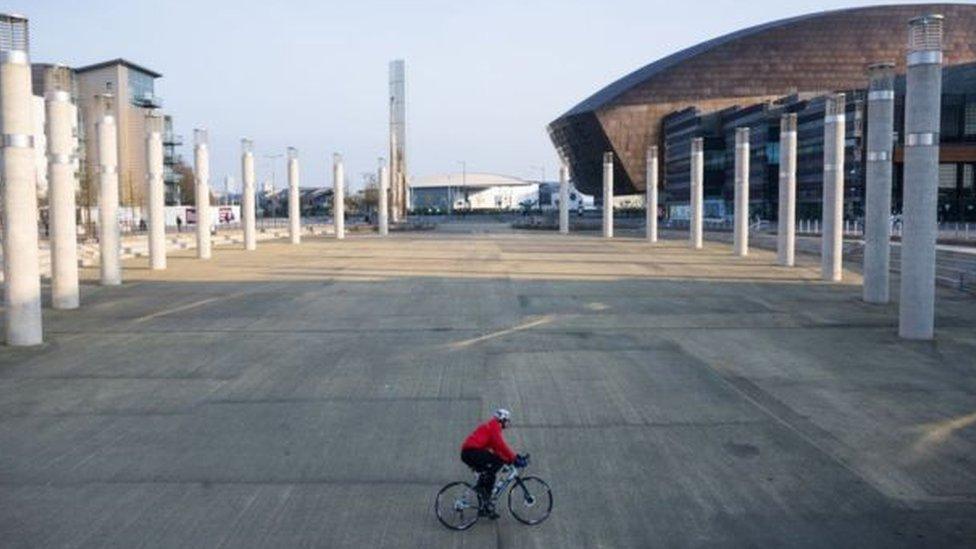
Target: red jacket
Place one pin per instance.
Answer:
(488, 436)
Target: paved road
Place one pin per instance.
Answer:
(317, 395)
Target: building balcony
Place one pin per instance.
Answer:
(172, 140)
(147, 100)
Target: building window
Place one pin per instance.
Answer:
(140, 86)
(950, 121)
(969, 179)
(970, 122)
(947, 176)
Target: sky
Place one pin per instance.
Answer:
(483, 78)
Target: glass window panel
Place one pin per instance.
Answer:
(970, 121)
(950, 121)
(140, 85)
(947, 176)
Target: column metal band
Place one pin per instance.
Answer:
(924, 139)
(59, 158)
(14, 57)
(929, 57)
(18, 140)
(58, 96)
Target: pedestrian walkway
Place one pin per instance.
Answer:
(317, 395)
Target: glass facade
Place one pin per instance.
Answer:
(141, 90)
(718, 130)
(171, 161)
(957, 171)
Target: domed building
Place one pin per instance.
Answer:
(815, 53)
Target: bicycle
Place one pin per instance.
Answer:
(459, 505)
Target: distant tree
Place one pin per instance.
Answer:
(188, 183)
(370, 195)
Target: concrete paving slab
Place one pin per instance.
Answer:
(316, 395)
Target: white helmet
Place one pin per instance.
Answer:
(502, 415)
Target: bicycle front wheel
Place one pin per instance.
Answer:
(456, 506)
(530, 501)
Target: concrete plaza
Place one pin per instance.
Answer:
(316, 395)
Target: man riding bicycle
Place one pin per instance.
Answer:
(485, 451)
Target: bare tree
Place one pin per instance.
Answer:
(188, 183)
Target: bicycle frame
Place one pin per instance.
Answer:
(506, 475)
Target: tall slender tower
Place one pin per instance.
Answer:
(398, 141)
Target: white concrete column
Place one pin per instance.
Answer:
(697, 191)
(877, 210)
(394, 176)
(338, 196)
(294, 210)
(247, 196)
(563, 199)
(62, 184)
(156, 192)
(923, 110)
(650, 199)
(786, 228)
(383, 207)
(608, 195)
(108, 195)
(740, 229)
(22, 282)
(832, 239)
(202, 174)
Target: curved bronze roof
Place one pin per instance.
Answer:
(820, 52)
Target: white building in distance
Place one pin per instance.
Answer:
(485, 192)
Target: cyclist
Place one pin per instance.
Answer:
(485, 451)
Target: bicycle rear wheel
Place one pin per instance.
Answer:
(530, 501)
(456, 506)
